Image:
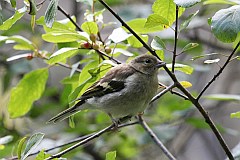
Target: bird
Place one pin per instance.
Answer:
(124, 91)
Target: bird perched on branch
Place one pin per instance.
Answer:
(124, 91)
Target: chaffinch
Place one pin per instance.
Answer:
(124, 91)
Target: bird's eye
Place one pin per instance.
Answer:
(147, 61)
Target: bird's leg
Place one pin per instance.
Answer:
(115, 122)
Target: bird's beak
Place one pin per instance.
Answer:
(160, 64)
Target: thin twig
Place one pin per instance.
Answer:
(162, 93)
(110, 57)
(58, 155)
(178, 85)
(155, 138)
(175, 41)
(219, 72)
(69, 17)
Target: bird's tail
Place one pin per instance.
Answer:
(66, 113)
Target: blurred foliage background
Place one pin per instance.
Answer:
(176, 121)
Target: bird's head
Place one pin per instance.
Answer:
(146, 64)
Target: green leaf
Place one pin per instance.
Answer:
(223, 97)
(63, 36)
(167, 9)
(29, 89)
(20, 147)
(188, 20)
(42, 155)
(12, 20)
(90, 27)
(181, 67)
(62, 54)
(157, 43)
(33, 7)
(13, 3)
(23, 43)
(219, 2)
(119, 35)
(160, 54)
(155, 20)
(134, 42)
(111, 155)
(189, 46)
(235, 115)
(186, 3)
(138, 25)
(32, 143)
(51, 13)
(226, 24)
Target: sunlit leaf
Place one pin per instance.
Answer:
(210, 61)
(51, 13)
(29, 89)
(225, 24)
(157, 43)
(111, 155)
(186, 3)
(189, 46)
(235, 115)
(154, 20)
(90, 27)
(134, 42)
(231, 2)
(20, 147)
(42, 155)
(223, 97)
(119, 35)
(181, 67)
(63, 36)
(12, 20)
(6, 139)
(62, 54)
(32, 143)
(186, 84)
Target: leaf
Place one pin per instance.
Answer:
(63, 36)
(134, 42)
(32, 143)
(122, 51)
(167, 9)
(20, 147)
(42, 155)
(210, 61)
(155, 20)
(138, 25)
(50, 13)
(6, 139)
(223, 97)
(111, 155)
(220, 2)
(62, 54)
(188, 20)
(181, 67)
(119, 35)
(235, 115)
(186, 3)
(186, 84)
(189, 46)
(225, 24)
(33, 7)
(13, 3)
(12, 20)
(157, 43)
(29, 89)
(90, 27)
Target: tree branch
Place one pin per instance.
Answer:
(155, 138)
(175, 41)
(219, 72)
(69, 17)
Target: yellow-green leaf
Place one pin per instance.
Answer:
(235, 115)
(186, 84)
(28, 90)
(20, 146)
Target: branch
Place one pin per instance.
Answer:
(69, 17)
(175, 41)
(219, 72)
(110, 57)
(155, 138)
(162, 93)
